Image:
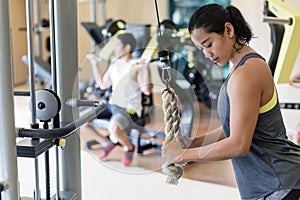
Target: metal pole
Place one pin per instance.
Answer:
(47, 169)
(37, 23)
(30, 58)
(55, 121)
(66, 43)
(32, 88)
(8, 154)
(37, 193)
(103, 11)
(52, 45)
(93, 10)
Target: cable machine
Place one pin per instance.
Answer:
(284, 21)
(36, 141)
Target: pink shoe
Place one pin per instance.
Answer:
(128, 156)
(106, 150)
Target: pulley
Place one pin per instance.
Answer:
(47, 105)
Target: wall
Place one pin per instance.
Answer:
(19, 37)
(18, 40)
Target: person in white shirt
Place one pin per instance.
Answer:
(129, 78)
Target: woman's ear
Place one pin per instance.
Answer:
(229, 30)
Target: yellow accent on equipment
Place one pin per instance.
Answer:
(290, 43)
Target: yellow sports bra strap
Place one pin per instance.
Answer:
(271, 104)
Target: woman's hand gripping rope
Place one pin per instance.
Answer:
(172, 149)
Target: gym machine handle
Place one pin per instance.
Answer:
(275, 20)
(63, 132)
(79, 103)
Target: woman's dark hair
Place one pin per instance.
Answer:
(212, 18)
(128, 38)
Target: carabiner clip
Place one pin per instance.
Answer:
(166, 76)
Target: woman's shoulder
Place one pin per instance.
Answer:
(253, 67)
(251, 74)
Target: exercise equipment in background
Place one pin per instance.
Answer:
(284, 22)
(101, 33)
(204, 76)
(42, 72)
(52, 106)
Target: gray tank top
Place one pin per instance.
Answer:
(273, 162)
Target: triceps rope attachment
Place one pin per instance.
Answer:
(166, 76)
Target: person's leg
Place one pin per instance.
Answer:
(117, 135)
(120, 126)
(123, 139)
(120, 135)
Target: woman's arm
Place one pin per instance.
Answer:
(244, 90)
(202, 140)
(102, 80)
(144, 77)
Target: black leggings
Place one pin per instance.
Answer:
(293, 195)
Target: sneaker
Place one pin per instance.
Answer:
(106, 150)
(128, 156)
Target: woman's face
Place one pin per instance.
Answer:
(120, 49)
(217, 47)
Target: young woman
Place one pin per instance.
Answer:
(129, 78)
(266, 163)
